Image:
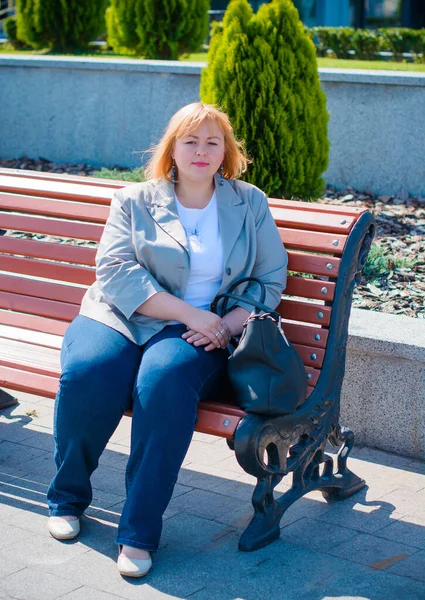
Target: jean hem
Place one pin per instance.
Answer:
(133, 544)
(64, 513)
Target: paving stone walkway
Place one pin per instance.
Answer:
(370, 547)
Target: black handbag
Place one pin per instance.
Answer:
(266, 372)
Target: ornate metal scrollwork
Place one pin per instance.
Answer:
(271, 448)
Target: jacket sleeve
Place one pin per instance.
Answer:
(271, 260)
(124, 282)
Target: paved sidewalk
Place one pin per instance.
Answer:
(371, 546)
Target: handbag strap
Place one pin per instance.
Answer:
(258, 305)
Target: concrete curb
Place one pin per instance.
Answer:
(383, 394)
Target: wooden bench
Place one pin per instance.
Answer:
(43, 281)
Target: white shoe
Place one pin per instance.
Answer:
(133, 567)
(62, 529)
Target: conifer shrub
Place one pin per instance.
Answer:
(121, 26)
(11, 31)
(163, 29)
(59, 25)
(262, 70)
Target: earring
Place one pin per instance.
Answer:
(173, 172)
(222, 175)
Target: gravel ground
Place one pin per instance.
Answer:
(400, 235)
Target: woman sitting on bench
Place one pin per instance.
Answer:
(145, 336)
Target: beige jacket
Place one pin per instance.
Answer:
(143, 251)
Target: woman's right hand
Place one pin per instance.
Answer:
(209, 325)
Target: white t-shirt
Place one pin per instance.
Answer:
(206, 253)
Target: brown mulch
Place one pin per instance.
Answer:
(400, 232)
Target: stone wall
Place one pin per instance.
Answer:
(107, 112)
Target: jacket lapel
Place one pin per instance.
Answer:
(231, 215)
(162, 206)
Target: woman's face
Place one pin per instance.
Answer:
(199, 155)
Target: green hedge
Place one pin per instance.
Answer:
(367, 42)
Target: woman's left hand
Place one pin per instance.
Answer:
(197, 339)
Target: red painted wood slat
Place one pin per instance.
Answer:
(69, 229)
(56, 189)
(49, 270)
(32, 383)
(33, 323)
(38, 306)
(305, 312)
(310, 288)
(48, 207)
(96, 181)
(305, 334)
(50, 250)
(42, 289)
(313, 221)
(342, 211)
(327, 266)
(332, 243)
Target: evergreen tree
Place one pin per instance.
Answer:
(60, 25)
(262, 70)
(169, 28)
(121, 26)
(158, 28)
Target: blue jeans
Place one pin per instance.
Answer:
(103, 374)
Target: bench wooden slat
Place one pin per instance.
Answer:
(302, 262)
(314, 221)
(49, 270)
(53, 208)
(18, 354)
(305, 334)
(42, 289)
(33, 323)
(28, 368)
(305, 311)
(314, 241)
(32, 383)
(298, 261)
(65, 177)
(69, 229)
(311, 357)
(310, 288)
(50, 250)
(56, 189)
(342, 211)
(38, 306)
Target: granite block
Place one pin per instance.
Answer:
(372, 551)
(408, 530)
(192, 531)
(412, 566)
(28, 584)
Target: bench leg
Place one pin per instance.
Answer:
(316, 472)
(6, 400)
(344, 483)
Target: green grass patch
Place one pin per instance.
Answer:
(334, 63)
(379, 264)
(379, 65)
(134, 175)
